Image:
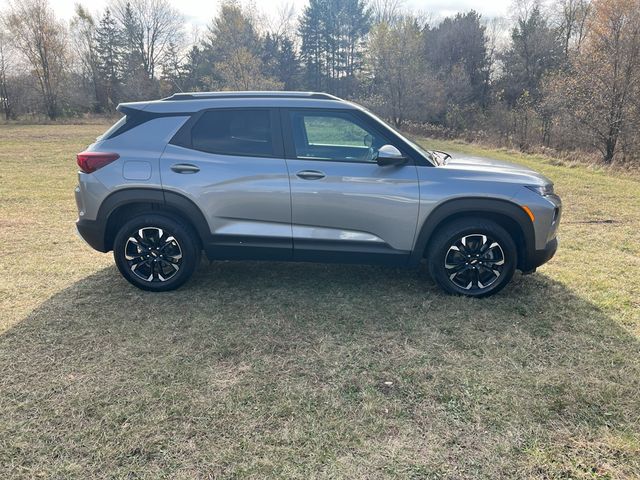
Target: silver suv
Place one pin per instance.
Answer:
(303, 177)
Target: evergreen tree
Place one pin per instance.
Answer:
(137, 83)
(313, 53)
(131, 32)
(110, 52)
(281, 60)
(535, 51)
(333, 34)
(172, 70)
(233, 52)
(194, 70)
(457, 48)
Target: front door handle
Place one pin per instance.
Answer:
(310, 175)
(185, 168)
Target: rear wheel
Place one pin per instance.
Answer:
(155, 252)
(475, 258)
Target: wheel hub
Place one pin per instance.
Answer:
(474, 262)
(153, 255)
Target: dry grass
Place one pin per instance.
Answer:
(312, 371)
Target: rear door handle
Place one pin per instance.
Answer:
(310, 175)
(185, 168)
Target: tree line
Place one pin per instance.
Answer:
(564, 74)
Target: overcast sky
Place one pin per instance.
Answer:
(200, 12)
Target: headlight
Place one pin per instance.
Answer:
(543, 190)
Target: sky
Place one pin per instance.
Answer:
(199, 12)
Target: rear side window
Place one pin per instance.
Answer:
(114, 128)
(234, 132)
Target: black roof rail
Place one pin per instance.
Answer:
(274, 94)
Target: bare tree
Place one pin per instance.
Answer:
(521, 10)
(282, 24)
(41, 39)
(84, 41)
(571, 18)
(152, 26)
(396, 62)
(603, 91)
(386, 11)
(6, 59)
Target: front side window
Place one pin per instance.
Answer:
(234, 132)
(337, 136)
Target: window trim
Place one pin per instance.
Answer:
(362, 119)
(184, 139)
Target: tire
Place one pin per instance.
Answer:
(472, 257)
(156, 252)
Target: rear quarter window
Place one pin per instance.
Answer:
(114, 128)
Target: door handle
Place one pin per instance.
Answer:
(310, 175)
(185, 168)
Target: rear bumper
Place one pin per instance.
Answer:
(92, 232)
(540, 257)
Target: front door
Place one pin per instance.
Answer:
(345, 207)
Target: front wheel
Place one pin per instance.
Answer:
(475, 258)
(156, 252)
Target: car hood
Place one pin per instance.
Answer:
(494, 167)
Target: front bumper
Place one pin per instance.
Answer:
(540, 257)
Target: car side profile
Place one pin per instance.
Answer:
(301, 176)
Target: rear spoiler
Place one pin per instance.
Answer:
(131, 107)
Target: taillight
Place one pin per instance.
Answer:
(91, 161)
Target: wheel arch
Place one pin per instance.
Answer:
(507, 214)
(122, 205)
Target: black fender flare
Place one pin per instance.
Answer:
(478, 206)
(171, 202)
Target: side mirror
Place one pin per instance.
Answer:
(390, 155)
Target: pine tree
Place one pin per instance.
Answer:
(110, 52)
(131, 32)
(535, 51)
(172, 70)
(280, 60)
(333, 34)
(312, 51)
(458, 48)
(233, 52)
(193, 70)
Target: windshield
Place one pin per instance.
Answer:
(434, 159)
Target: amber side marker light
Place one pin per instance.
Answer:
(529, 212)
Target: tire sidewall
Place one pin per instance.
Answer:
(450, 234)
(183, 235)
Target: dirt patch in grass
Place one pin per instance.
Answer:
(274, 370)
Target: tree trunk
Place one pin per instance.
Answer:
(610, 149)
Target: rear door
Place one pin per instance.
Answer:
(345, 207)
(230, 163)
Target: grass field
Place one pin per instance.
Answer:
(269, 370)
